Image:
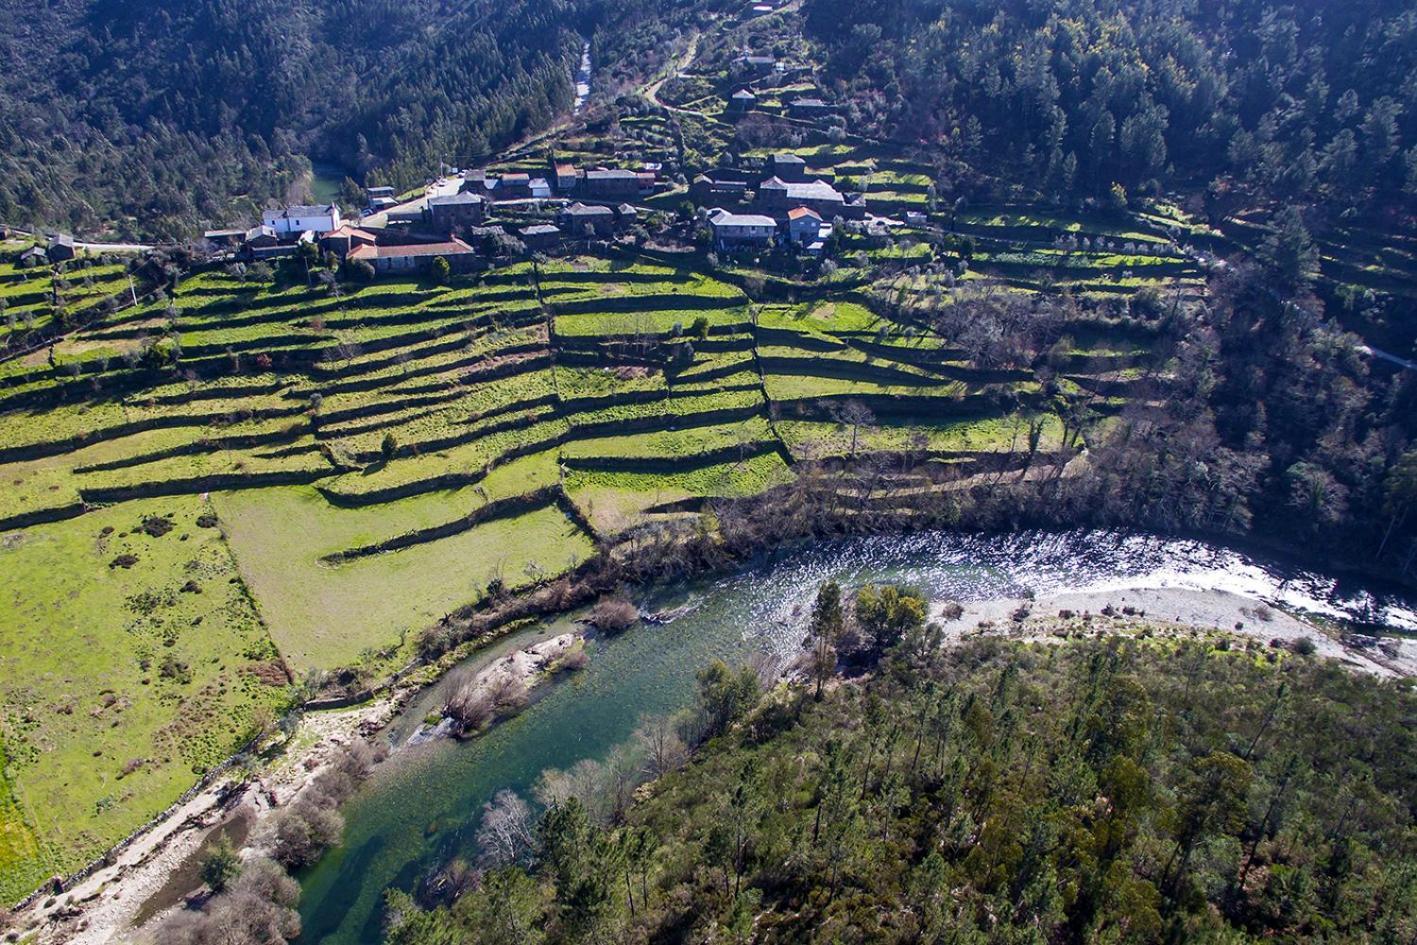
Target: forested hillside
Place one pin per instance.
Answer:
(1300, 100)
(1137, 792)
(166, 116)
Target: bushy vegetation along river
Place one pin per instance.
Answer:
(424, 807)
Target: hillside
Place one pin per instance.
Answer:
(236, 483)
(159, 121)
(1134, 790)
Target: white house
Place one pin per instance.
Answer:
(733, 230)
(292, 221)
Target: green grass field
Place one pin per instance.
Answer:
(324, 615)
(132, 662)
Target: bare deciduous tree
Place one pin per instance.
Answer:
(505, 836)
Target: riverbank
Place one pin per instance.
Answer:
(102, 907)
(116, 903)
(1178, 613)
(761, 605)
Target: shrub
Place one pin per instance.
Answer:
(614, 614)
(1305, 646)
(157, 525)
(220, 866)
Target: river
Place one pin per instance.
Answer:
(423, 807)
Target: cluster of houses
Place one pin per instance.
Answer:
(790, 205)
(61, 248)
(750, 69)
(593, 203)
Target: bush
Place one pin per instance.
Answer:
(1305, 646)
(442, 270)
(614, 614)
(220, 866)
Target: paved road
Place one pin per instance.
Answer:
(90, 247)
(442, 187)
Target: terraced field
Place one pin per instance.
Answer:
(261, 482)
(33, 299)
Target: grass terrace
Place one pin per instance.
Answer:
(324, 614)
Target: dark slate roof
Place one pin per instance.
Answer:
(811, 190)
(788, 158)
(582, 210)
(462, 197)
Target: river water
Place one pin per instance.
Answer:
(424, 807)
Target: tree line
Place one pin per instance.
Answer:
(1121, 790)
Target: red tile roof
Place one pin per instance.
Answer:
(454, 247)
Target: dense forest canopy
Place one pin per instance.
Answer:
(1084, 792)
(166, 116)
(1293, 98)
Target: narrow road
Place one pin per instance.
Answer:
(674, 69)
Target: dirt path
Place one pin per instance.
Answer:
(674, 69)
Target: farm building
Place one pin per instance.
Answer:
(808, 108)
(777, 196)
(807, 230)
(579, 220)
(565, 176)
(788, 167)
(224, 238)
(748, 65)
(344, 239)
(417, 257)
(449, 213)
(706, 189)
(61, 248)
(541, 237)
(741, 230)
(611, 184)
(742, 101)
(513, 187)
(261, 242)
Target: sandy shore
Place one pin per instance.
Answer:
(1178, 611)
(100, 908)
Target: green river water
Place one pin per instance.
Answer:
(422, 807)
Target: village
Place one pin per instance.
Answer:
(469, 219)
